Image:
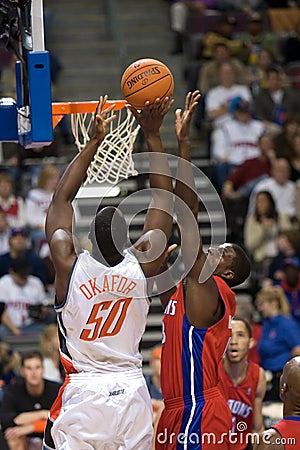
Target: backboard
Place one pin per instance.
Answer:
(27, 118)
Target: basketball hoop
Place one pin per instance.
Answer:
(113, 160)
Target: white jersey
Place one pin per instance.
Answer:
(19, 298)
(220, 95)
(104, 315)
(236, 141)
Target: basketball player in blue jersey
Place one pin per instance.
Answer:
(285, 435)
(102, 303)
(197, 321)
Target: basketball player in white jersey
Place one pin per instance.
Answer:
(102, 304)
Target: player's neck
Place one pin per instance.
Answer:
(291, 409)
(236, 371)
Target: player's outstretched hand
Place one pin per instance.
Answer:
(151, 118)
(183, 119)
(101, 120)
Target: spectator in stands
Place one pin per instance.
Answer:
(242, 383)
(26, 405)
(243, 179)
(224, 33)
(9, 366)
(153, 381)
(18, 243)
(256, 71)
(11, 205)
(6, 321)
(4, 234)
(49, 347)
(179, 11)
(210, 73)
(288, 247)
(37, 203)
(261, 233)
(280, 338)
(255, 39)
(295, 158)
(218, 99)
(236, 141)
(290, 284)
(19, 290)
(280, 186)
(283, 142)
(275, 103)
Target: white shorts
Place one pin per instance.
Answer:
(101, 412)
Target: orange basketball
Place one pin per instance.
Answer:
(146, 80)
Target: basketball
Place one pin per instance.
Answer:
(146, 80)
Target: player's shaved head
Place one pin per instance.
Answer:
(292, 369)
(290, 387)
(109, 233)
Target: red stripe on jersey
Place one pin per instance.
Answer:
(67, 365)
(56, 407)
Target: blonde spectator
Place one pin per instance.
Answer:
(262, 230)
(280, 338)
(10, 362)
(49, 347)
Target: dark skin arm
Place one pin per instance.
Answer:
(60, 213)
(150, 248)
(203, 307)
(269, 439)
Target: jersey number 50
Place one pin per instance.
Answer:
(109, 322)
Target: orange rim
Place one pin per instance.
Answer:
(60, 109)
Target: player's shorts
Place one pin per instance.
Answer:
(101, 411)
(201, 423)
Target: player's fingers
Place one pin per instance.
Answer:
(110, 119)
(106, 111)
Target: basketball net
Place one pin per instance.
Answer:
(113, 160)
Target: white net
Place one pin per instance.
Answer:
(113, 160)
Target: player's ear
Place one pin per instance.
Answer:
(283, 390)
(228, 274)
(251, 343)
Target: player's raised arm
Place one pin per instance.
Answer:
(186, 199)
(158, 224)
(60, 213)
